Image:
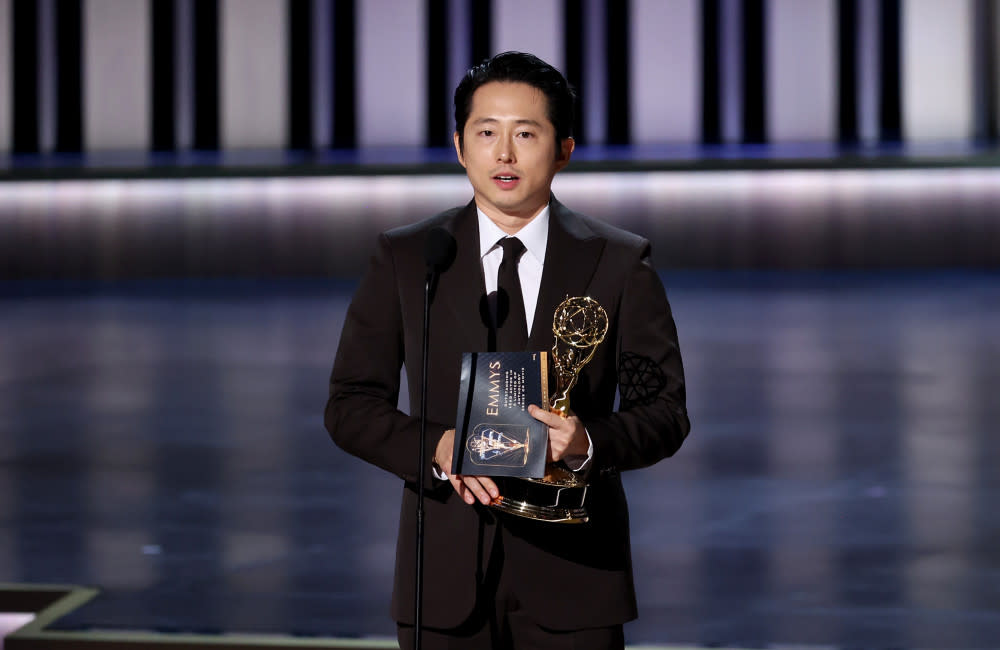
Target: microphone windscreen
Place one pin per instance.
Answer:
(439, 249)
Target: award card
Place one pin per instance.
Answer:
(494, 434)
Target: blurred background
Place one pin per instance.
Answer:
(190, 189)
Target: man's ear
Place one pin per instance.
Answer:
(458, 149)
(565, 151)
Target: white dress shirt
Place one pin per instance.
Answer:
(534, 236)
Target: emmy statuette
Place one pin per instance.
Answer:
(579, 325)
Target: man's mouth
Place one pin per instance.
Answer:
(506, 181)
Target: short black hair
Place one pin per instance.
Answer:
(519, 67)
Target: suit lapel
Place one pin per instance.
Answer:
(571, 257)
(461, 289)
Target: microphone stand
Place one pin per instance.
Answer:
(439, 252)
(421, 472)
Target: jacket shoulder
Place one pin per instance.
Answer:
(617, 238)
(586, 227)
(417, 231)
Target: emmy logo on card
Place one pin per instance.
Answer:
(503, 445)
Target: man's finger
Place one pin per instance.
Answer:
(551, 419)
(483, 488)
(473, 488)
(490, 486)
(460, 489)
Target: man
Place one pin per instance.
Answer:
(494, 580)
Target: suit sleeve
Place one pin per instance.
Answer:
(361, 414)
(652, 419)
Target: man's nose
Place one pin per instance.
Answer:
(505, 152)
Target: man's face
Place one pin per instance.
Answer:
(510, 152)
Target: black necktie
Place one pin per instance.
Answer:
(512, 327)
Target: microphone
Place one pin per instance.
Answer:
(439, 253)
(439, 250)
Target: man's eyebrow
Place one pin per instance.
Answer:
(493, 120)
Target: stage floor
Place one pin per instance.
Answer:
(163, 441)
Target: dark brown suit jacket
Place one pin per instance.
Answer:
(566, 576)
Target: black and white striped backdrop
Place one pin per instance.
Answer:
(176, 75)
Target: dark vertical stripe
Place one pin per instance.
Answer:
(183, 74)
(438, 125)
(344, 86)
(711, 98)
(847, 72)
(890, 112)
(985, 72)
(25, 105)
(617, 13)
(300, 124)
(161, 17)
(481, 29)
(754, 73)
(69, 71)
(574, 15)
(206, 74)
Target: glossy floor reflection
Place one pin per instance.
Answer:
(165, 443)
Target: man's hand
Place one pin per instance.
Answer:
(469, 488)
(567, 436)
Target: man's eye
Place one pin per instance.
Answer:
(486, 132)
(526, 134)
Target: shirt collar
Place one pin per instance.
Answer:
(534, 235)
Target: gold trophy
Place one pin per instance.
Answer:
(579, 325)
